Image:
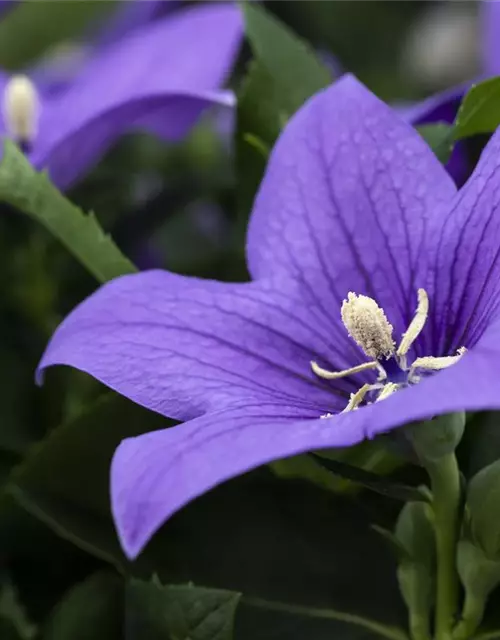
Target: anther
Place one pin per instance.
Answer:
(416, 325)
(368, 326)
(21, 110)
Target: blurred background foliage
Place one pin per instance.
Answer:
(175, 206)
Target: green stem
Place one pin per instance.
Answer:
(385, 631)
(445, 484)
(471, 618)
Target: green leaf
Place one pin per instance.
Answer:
(64, 480)
(13, 615)
(284, 74)
(159, 612)
(29, 30)
(291, 63)
(92, 610)
(33, 193)
(376, 629)
(371, 480)
(480, 109)
(400, 552)
(369, 456)
(258, 126)
(440, 138)
(287, 541)
(306, 468)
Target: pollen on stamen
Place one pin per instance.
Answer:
(20, 109)
(368, 326)
(416, 325)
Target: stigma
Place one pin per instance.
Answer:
(367, 324)
(21, 110)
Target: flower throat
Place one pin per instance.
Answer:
(367, 325)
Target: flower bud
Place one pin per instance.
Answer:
(483, 508)
(21, 109)
(478, 574)
(436, 438)
(416, 571)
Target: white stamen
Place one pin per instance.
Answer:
(326, 415)
(367, 325)
(387, 391)
(21, 109)
(436, 364)
(416, 325)
(357, 398)
(333, 375)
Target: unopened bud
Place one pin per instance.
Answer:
(21, 109)
(478, 574)
(436, 438)
(416, 572)
(367, 325)
(483, 508)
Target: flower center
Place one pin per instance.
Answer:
(21, 110)
(367, 325)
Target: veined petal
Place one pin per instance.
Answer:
(345, 203)
(157, 60)
(464, 250)
(183, 346)
(156, 474)
(490, 28)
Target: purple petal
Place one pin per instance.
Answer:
(4, 78)
(490, 23)
(55, 72)
(463, 246)
(440, 107)
(176, 112)
(345, 203)
(154, 475)
(156, 79)
(132, 15)
(443, 107)
(182, 346)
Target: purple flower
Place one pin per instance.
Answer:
(159, 79)
(354, 208)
